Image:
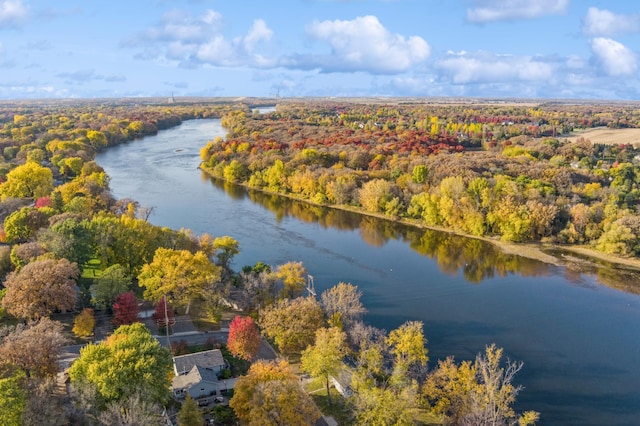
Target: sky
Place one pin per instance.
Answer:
(560, 49)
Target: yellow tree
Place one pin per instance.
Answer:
(293, 277)
(30, 180)
(179, 274)
(292, 323)
(407, 344)
(270, 395)
(324, 358)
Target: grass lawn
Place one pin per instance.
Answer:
(201, 319)
(339, 409)
(92, 269)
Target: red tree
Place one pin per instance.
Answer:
(125, 309)
(162, 313)
(244, 338)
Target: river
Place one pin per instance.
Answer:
(579, 339)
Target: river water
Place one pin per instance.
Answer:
(579, 339)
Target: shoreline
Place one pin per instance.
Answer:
(530, 250)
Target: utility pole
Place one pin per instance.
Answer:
(166, 323)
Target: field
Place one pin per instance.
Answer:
(606, 136)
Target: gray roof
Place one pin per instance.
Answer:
(206, 359)
(194, 376)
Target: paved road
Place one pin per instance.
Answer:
(69, 353)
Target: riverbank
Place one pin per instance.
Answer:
(535, 251)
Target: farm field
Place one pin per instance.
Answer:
(606, 136)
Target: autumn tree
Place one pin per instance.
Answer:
(33, 347)
(125, 309)
(226, 248)
(324, 358)
(244, 338)
(293, 276)
(44, 405)
(179, 274)
(22, 225)
(407, 344)
(30, 180)
(129, 361)
(41, 288)
(132, 410)
(384, 406)
(114, 281)
(449, 387)
(292, 323)
(270, 395)
(342, 303)
(84, 323)
(480, 392)
(21, 254)
(189, 414)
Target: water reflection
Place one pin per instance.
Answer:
(477, 260)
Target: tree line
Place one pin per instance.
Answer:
(503, 171)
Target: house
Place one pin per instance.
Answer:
(197, 375)
(212, 360)
(200, 383)
(342, 381)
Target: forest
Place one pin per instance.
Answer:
(72, 250)
(504, 171)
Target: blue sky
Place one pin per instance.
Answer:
(470, 48)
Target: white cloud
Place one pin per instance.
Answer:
(604, 22)
(615, 58)
(485, 67)
(178, 25)
(84, 76)
(12, 12)
(198, 40)
(257, 33)
(363, 44)
(501, 10)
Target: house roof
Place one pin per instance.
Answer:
(194, 376)
(206, 359)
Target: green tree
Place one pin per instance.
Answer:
(113, 282)
(179, 274)
(292, 323)
(41, 288)
(70, 239)
(324, 358)
(189, 414)
(419, 174)
(12, 397)
(21, 225)
(27, 181)
(270, 395)
(129, 361)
